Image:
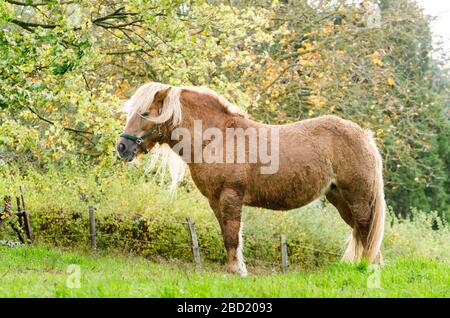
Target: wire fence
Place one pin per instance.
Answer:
(312, 248)
(92, 235)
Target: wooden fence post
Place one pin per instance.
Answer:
(8, 213)
(7, 200)
(19, 212)
(284, 255)
(194, 241)
(26, 217)
(92, 229)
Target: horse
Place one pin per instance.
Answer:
(326, 155)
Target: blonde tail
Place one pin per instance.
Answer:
(371, 251)
(376, 232)
(354, 249)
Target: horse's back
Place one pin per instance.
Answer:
(313, 154)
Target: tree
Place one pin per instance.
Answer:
(66, 68)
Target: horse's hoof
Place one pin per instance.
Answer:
(236, 270)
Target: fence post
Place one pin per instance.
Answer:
(8, 209)
(92, 230)
(7, 200)
(284, 255)
(19, 212)
(26, 217)
(194, 241)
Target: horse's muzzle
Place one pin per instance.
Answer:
(126, 149)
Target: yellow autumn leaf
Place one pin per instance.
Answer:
(377, 62)
(375, 57)
(275, 93)
(307, 46)
(379, 132)
(272, 107)
(390, 81)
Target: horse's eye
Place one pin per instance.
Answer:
(146, 114)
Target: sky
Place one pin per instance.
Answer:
(441, 26)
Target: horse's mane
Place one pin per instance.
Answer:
(145, 94)
(228, 107)
(139, 104)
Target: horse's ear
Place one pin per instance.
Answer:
(158, 100)
(162, 94)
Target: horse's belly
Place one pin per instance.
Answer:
(287, 190)
(285, 196)
(278, 203)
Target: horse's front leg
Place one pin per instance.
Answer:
(230, 207)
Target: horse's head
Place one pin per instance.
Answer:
(144, 125)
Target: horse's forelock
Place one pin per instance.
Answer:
(143, 98)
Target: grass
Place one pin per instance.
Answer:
(36, 271)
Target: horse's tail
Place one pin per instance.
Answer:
(354, 249)
(371, 250)
(378, 211)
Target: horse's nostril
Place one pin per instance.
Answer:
(121, 147)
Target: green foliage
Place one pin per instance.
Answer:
(42, 272)
(65, 70)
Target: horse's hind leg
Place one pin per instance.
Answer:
(354, 248)
(355, 210)
(334, 197)
(359, 203)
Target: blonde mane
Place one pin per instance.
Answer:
(227, 105)
(163, 154)
(143, 98)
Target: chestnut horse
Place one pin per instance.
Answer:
(322, 156)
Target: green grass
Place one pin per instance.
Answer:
(33, 271)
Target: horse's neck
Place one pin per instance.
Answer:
(198, 118)
(200, 123)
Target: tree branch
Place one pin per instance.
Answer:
(53, 123)
(37, 4)
(29, 25)
(117, 26)
(104, 22)
(124, 52)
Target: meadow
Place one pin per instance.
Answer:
(32, 271)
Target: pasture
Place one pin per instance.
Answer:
(31, 271)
